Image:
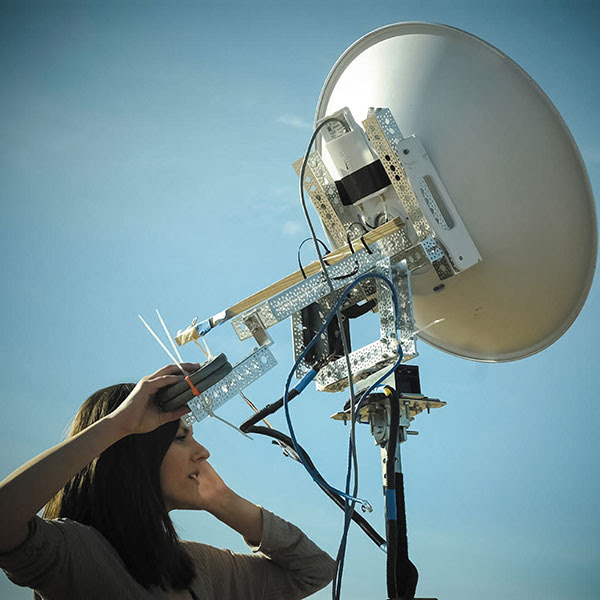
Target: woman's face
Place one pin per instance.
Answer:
(181, 471)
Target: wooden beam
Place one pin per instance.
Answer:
(314, 267)
(369, 238)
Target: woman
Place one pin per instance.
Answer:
(106, 532)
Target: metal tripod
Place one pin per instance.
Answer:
(389, 415)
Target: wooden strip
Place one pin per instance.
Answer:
(314, 267)
(191, 333)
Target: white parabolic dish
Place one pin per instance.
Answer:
(510, 166)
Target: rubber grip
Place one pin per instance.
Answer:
(206, 376)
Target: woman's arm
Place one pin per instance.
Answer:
(215, 497)
(25, 491)
(241, 515)
(286, 564)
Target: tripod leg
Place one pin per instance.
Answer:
(406, 572)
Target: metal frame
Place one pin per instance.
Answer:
(245, 372)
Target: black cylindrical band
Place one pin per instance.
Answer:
(362, 183)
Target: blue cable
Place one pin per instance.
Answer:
(349, 507)
(315, 476)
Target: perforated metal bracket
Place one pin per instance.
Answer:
(414, 403)
(362, 292)
(383, 353)
(323, 193)
(436, 204)
(284, 305)
(257, 329)
(422, 193)
(245, 372)
(385, 136)
(379, 420)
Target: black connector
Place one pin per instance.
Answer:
(356, 517)
(269, 409)
(275, 406)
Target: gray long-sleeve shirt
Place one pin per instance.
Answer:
(62, 559)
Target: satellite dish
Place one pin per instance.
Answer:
(513, 172)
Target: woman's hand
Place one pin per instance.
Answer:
(25, 491)
(212, 493)
(139, 413)
(223, 503)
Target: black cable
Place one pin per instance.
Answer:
(300, 248)
(390, 492)
(402, 575)
(304, 352)
(351, 274)
(368, 225)
(352, 451)
(365, 245)
(356, 517)
(303, 200)
(360, 224)
(335, 590)
(269, 409)
(339, 277)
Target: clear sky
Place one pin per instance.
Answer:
(146, 162)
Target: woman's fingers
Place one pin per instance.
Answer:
(173, 415)
(161, 381)
(174, 369)
(168, 375)
(139, 413)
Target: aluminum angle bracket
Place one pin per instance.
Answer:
(245, 372)
(312, 289)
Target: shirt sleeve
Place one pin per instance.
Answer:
(64, 559)
(41, 559)
(286, 565)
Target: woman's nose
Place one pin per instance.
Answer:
(200, 452)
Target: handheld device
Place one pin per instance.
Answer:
(180, 393)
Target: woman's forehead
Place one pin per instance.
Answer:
(183, 428)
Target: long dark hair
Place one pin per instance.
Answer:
(119, 494)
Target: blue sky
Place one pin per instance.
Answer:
(146, 162)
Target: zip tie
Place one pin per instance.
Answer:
(327, 251)
(175, 361)
(251, 405)
(201, 348)
(192, 386)
(435, 322)
(169, 336)
(209, 410)
(349, 241)
(362, 239)
(208, 352)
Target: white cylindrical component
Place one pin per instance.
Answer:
(350, 153)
